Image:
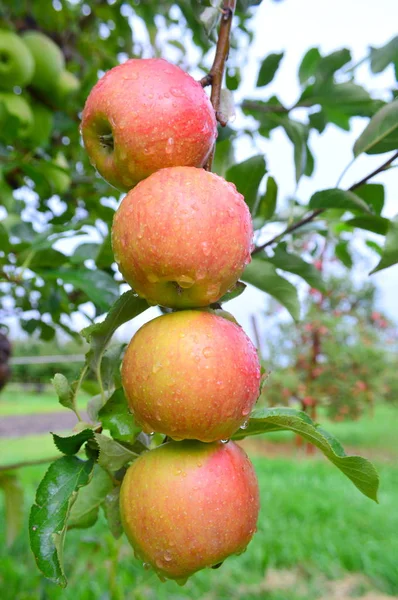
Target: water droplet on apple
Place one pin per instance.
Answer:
(169, 145)
(244, 425)
(152, 278)
(176, 92)
(224, 441)
(156, 367)
(167, 556)
(185, 281)
(146, 566)
(207, 352)
(205, 248)
(246, 411)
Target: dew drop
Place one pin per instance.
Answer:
(224, 441)
(156, 367)
(146, 566)
(205, 248)
(207, 352)
(244, 425)
(167, 556)
(185, 281)
(152, 278)
(176, 92)
(245, 411)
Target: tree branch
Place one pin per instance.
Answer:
(216, 73)
(319, 211)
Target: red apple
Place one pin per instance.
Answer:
(191, 375)
(144, 115)
(188, 505)
(182, 237)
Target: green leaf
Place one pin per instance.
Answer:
(375, 247)
(309, 65)
(224, 157)
(380, 58)
(105, 258)
(373, 195)
(112, 454)
(4, 241)
(64, 392)
(247, 177)
(110, 367)
(117, 419)
(370, 223)
(381, 133)
(267, 203)
(71, 444)
(234, 292)
(335, 198)
(390, 250)
(100, 287)
(111, 506)
(343, 254)
(84, 511)
(298, 134)
(128, 306)
(294, 264)
(262, 274)
(269, 67)
(48, 517)
(13, 506)
(361, 472)
(328, 65)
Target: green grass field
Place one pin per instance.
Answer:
(315, 528)
(14, 401)
(312, 521)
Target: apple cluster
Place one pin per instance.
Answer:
(33, 83)
(181, 237)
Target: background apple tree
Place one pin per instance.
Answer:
(55, 253)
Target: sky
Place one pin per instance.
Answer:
(294, 27)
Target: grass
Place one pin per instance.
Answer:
(312, 518)
(313, 522)
(15, 401)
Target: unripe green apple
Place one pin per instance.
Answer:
(182, 237)
(144, 115)
(67, 85)
(43, 121)
(16, 61)
(56, 175)
(48, 58)
(17, 107)
(191, 375)
(186, 506)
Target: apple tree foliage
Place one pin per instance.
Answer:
(341, 355)
(46, 281)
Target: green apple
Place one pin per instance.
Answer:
(56, 174)
(15, 106)
(43, 121)
(16, 61)
(191, 374)
(67, 85)
(187, 505)
(48, 58)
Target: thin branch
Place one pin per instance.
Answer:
(216, 73)
(28, 463)
(383, 167)
(319, 211)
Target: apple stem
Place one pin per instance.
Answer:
(215, 76)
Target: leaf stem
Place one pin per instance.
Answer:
(319, 211)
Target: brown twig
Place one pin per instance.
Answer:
(28, 463)
(319, 211)
(216, 73)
